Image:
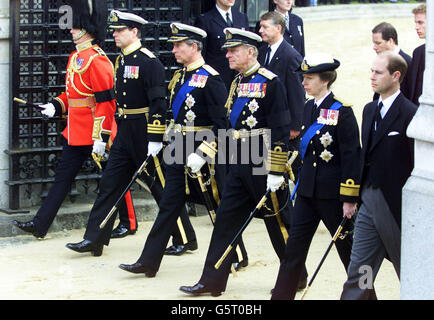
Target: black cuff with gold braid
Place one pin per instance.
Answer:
(59, 106)
(349, 188)
(209, 149)
(276, 161)
(156, 130)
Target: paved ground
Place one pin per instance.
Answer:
(31, 269)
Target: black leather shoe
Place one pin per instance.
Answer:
(138, 268)
(301, 285)
(86, 246)
(242, 264)
(198, 289)
(121, 231)
(181, 249)
(29, 227)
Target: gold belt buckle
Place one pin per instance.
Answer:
(177, 127)
(236, 134)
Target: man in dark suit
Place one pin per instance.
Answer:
(282, 59)
(415, 73)
(386, 163)
(385, 38)
(294, 33)
(213, 22)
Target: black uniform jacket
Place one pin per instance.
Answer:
(389, 154)
(284, 63)
(212, 22)
(139, 83)
(331, 165)
(266, 107)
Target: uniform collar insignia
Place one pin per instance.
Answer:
(132, 47)
(197, 64)
(85, 45)
(252, 69)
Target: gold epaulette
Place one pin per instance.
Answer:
(174, 79)
(277, 160)
(210, 69)
(99, 50)
(344, 103)
(349, 188)
(147, 52)
(267, 73)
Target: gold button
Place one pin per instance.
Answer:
(317, 132)
(244, 112)
(186, 108)
(313, 153)
(135, 56)
(125, 80)
(124, 93)
(302, 127)
(311, 142)
(125, 105)
(243, 122)
(314, 164)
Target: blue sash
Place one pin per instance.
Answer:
(308, 135)
(182, 93)
(240, 102)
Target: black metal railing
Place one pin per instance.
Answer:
(39, 55)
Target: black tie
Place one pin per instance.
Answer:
(228, 20)
(267, 57)
(378, 117)
(314, 109)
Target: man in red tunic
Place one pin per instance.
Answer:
(88, 101)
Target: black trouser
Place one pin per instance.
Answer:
(307, 215)
(70, 163)
(126, 155)
(174, 198)
(241, 194)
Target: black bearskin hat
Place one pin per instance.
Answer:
(90, 15)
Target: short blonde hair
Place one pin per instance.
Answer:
(419, 9)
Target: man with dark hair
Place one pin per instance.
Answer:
(140, 96)
(416, 71)
(213, 22)
(197, 96)
(385, 38)
(387, 161)
(89, 102)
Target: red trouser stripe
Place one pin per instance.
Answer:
(130, 209)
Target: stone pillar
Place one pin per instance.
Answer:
(417, 248)
(5, 83)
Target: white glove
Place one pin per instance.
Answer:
(154, 148)
(98, 147)
(49, 110)
(195, 162)
(274, 182)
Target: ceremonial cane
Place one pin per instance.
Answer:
(136, 174)
(335, 237)
(21, 101)
(252, 214)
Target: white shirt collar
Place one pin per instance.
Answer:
(274, 48)
(387, 103)
(318, 102)
(397, 49)
(223, 13)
